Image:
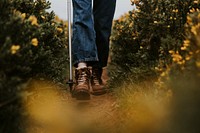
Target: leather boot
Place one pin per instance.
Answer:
(98, 88)
(82, 88)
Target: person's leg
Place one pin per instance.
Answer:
(83, 42)
(83, 46)
(103, 17)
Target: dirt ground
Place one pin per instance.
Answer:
(140, 109)
(51, 109)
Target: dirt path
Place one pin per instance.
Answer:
(139, 109)
(52, 110)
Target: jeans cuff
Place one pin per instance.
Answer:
(92, 59)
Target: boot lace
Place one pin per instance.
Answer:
(96, 77)
(82, 77)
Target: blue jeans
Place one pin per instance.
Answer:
(91, 31)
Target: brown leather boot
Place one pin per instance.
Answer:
(82, 88)
(98, 88)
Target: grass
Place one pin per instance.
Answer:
(143, 108)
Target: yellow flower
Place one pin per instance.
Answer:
(23, 16)
(171, 52)
(188, 58)
(191, 53)
(60, 30)
(121, 27)
(131, 25)
(189, 20)
(138, 11)
(186, 42)
(156, 10)
(198, 64)
(183, 48)
(133, 15)
(194, 30)
(177, 57)
(163, 74)
(43, 17)
(156, 68)
(14, 49)
(192, 10)
(168, 26)
(155, 22)
(181, 62)
(34, 42)
(133, 34)
(196, 1)
(33, 20)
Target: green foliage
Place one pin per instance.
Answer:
(143, 38)
(129, 59)
(32, 45)
(187, 59)
(184, 77)
(32, 42)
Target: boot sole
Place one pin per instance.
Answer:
(82, 95)
(98, 93)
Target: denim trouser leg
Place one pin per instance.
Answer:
(103, 18)
(91, 31)
(83, 42)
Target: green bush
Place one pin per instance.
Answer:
(143, 38)
(183, 79)
(32, 42)
(32, 45)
